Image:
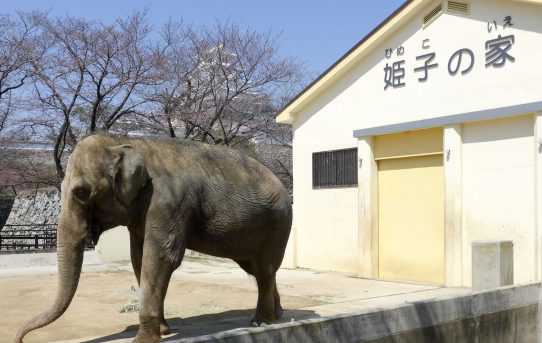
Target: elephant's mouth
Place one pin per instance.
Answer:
(95, 229)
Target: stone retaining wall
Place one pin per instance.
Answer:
(5, 209)
(40, 206)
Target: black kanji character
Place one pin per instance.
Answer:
(427, 65)
(497, 51)
(394, 75)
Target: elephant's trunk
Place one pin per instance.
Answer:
(70, 248)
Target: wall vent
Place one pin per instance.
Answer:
(435, 12)
(458, 7)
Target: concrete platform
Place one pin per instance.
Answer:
(205, 298)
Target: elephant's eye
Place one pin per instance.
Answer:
(82, 193)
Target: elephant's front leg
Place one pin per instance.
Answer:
(156, 272)
(136, 254)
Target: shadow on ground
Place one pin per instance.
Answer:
(207, 324)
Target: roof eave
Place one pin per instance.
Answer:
(402, 14)
(536, 2)
(354, 55)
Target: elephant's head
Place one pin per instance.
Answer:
(103, 180)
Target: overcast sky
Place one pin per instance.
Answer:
(316, 32)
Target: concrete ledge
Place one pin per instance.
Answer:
(480, 316)
(13, 261)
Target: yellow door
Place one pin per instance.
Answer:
(411, 218)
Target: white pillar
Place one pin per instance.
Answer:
(453, 213)
(368, 209)
(290, 254)
(538, 192)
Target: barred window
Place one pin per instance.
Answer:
(336, 168)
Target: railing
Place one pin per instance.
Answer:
(33, 237)
(28, 237)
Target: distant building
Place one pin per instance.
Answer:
(424, 137)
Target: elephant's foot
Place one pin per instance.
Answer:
(147, 339)
(260, 321)
(164, 328)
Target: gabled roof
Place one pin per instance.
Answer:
(388, 27)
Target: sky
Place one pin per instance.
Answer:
(315, 32)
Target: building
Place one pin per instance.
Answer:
(424, 137)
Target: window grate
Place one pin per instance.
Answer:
(337, 168)
(458, 7)
(432, 15)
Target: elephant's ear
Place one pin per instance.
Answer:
(128, 172)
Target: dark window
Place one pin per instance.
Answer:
(336, 168)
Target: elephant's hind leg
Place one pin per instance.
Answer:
(265, 309)
(278, 308)
(268, 309)
(246, 266)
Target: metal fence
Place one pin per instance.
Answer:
(33, 237)
(28, 237)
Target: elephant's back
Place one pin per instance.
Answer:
(217, 169)
(234, 192)
(213, 163)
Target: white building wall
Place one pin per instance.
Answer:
(499, 190)
(538, 188)
(358, 99)
(326, 221)
(114, 245)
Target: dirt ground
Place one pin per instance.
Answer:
(204, 297)
(95, 310)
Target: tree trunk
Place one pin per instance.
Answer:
(170, 128)
(59, 149)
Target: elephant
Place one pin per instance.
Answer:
(172, 194)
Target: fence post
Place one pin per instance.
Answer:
(36, 241)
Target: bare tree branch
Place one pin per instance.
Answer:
(219, 84)
(16, 54)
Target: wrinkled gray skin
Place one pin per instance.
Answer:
(172, 195)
